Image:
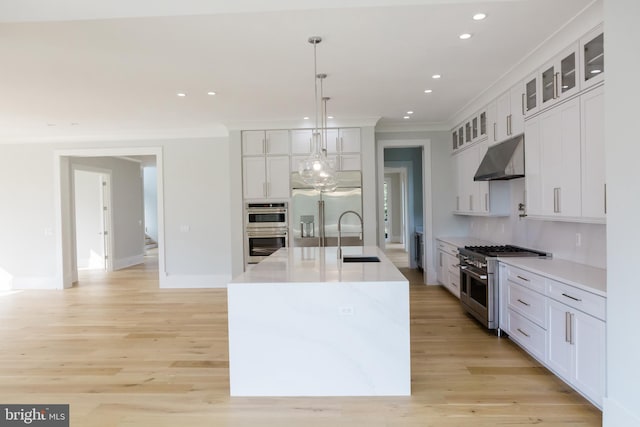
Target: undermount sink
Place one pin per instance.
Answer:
(360, 258)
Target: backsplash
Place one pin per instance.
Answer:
(559, 238)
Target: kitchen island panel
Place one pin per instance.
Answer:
(319, 339)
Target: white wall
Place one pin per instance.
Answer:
(27, 220)
(151, 201)
(622, 37)
(196, 194)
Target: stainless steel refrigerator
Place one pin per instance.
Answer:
(314, 214)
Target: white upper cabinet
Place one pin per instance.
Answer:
(552, 162)
(559, 77)
(259, 142)
(530, 95)
(592, 51)
(301, 141)
(349, 140)
(509, 114)
(594, 203)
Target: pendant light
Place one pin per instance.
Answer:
(316, 170)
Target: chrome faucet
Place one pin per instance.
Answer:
(340, 230)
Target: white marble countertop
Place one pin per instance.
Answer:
(320, 265)
(586, 277)
(460, 242)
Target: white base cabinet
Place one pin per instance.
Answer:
(562, 326)
(448, 271)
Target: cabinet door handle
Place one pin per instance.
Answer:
(523, 278)
(523, 333)
(523, 98)
(457, 203)
(570, 297)
(494, 131)
(555, 85)
(524, 303)
(486, 202)
(556, 200)
(440, 259)
(605, 198)
(567, 327)
(509, 124)
(571, 337)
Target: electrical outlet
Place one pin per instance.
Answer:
(578, 239)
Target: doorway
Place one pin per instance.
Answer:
(66, 247)
(418, 200)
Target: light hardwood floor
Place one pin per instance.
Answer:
(123, 353)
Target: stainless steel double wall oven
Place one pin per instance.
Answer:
(266, 230)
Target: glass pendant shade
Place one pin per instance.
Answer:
(316, 170)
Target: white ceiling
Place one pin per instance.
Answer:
(95, 69)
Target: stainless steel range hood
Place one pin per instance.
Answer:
(503, 161)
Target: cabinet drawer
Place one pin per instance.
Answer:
(589, 303)
(526, 333)
(530, 304)
(526, 279)
(446, 247)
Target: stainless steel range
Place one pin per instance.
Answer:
(479, 283)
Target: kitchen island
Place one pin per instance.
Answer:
(303, 323)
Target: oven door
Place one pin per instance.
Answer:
(266, 218)
(475, 295)
(263, 242)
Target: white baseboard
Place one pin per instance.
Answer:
(35, 282)
(616, 415)
(183, 281)
(396, 239)
(121, 263)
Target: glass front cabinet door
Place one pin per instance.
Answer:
(559, 77)
(592, 47)
(530, 94)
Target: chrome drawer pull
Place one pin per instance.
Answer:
(570, 297)
(523, 333)
(523, 278)
(522, 302)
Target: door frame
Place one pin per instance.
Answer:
(66, 271)
(430, 275)
(404, 202)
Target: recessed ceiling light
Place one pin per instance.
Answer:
(596, 71)
(305, 118)
(464, 36)
(409, 112)
(329, 117)
(406, 117)
(211, 93)
(428, 91)
(479, 16)
(436, 76)
(181, 94)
